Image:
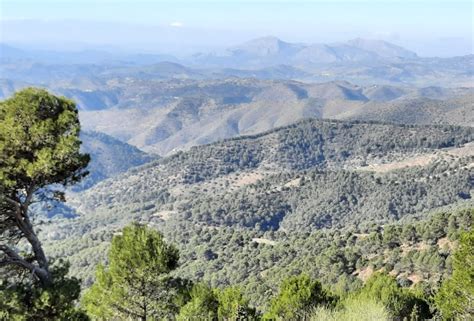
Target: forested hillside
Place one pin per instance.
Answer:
(109, 157)
(415, 253)
(344, 208)
(234, 206)
(454, 111)
(165, 116)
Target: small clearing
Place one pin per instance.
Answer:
(365, 273)
(260, 240)
(293, 183)
(422, 160)
(248, 178)
(415, 278)
(466, 150)
(164, 215)
(445, 243)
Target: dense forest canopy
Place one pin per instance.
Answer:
(335, 200)
(312, 220)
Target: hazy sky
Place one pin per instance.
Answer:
(429, 27)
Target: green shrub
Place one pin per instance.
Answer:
(400, 302)
(353, 310)
(25, 300)
(202, 306)
(297, 296)
(455, 299)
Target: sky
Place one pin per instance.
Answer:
(429, 27)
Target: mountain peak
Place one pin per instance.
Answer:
(264, 46)
(381, 48)
(269, 38)
(264, 40)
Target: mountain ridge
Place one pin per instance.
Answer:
(178, 115)
(270, 50)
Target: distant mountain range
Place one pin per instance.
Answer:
(268, 51)
(10, 54)
(161, 104)
(359, 60)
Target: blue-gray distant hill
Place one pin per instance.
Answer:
(363, 61)
(270, 50)
(109, 157)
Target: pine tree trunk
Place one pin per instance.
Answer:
(41, 270)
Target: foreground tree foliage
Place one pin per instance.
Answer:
(400, 302)
(297, 297)
(203, 304)
(39, 146)
(39, 154)
(233, 305)
(136, 283)
(137, 286)
(353, 309)
(381, 298)
(24, 300)
(455, 298)
(215, 304)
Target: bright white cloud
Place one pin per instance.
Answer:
(176, 24)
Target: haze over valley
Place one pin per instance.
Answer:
(170, 104)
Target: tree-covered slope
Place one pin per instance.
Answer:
(311, 144)
(416, 253)
(311, 176)
(165, 116)
(109, 157)
(456, 111)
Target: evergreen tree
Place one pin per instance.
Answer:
(208, 304)
(136, 283)
(296, 298)
(401, 302)
(24, 300)
(455, 299)
(39, 147)
(39, 156)
(202, 306)
(233, 305)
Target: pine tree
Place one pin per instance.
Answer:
(455, 298)
(39, 156)
(39, 149)
(297, 296)
(136, 283)
(202, 306)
